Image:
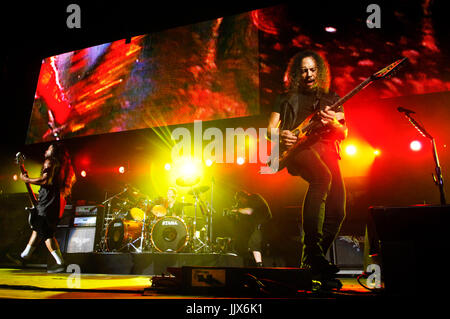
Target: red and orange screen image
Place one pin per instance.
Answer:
(204, 71)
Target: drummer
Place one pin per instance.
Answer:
(168, 206)
(174, 207)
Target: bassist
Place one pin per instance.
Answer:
(317, 160)
(56, 181)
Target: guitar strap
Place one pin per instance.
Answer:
(316, 104)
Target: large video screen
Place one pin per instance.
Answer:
(204, 71)
(236, 66)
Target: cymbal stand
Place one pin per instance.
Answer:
(196, 241)
(106, 216)
(141, 238)
(210, 219)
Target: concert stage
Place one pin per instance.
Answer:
(146, 263)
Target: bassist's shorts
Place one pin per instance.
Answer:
(44, 227)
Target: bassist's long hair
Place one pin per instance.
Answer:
(65, 173)
(292, 75)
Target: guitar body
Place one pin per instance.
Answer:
(302, 133)
(32, 211)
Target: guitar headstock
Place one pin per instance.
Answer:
(20, 158)
(389, 70)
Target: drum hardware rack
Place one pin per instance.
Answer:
(108, 217)
(197, 241)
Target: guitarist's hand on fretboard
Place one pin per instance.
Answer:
(24, 177)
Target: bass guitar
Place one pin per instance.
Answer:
(311, 128)
(32, 211)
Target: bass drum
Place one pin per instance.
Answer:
(120, 232)
(169, 234)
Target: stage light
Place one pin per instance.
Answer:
(415, 146)
(188, 169)
(240, 160)
(83, 173)
(167, 166)
(330, 29)
(208, 162)
(350, 150)
(358, 157)
(15, 177)
(121, 169)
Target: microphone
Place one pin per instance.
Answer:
(403, 110)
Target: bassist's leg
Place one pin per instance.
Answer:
(31, 246)
(53, 248)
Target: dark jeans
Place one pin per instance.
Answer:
(324, 203)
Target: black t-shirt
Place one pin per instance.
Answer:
(49, 195)
(176, 209)
(295, 107)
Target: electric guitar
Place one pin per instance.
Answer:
(32, 211)
(311, 128)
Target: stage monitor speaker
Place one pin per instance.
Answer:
(238, 280)
(347, 252)
(410, 245)
(61, 238)
(81, 240)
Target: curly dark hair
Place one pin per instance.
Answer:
(292, 75)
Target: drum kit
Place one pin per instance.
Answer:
(140, 224)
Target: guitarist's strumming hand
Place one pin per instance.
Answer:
(287, 138)
(335, 121)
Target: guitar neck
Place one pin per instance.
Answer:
(31, 194)
(350, 94)
(339, 102)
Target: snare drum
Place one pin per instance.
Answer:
(169, 234)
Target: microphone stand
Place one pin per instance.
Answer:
(438, 179)
(211, 214)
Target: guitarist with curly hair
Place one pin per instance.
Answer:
(307, 92)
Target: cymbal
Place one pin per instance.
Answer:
(198, 190)
(187, 181)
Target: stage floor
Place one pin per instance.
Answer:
(34, 291)
(18, 283)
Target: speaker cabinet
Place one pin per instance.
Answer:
(80, 240)
(410, 244)
(347, 252)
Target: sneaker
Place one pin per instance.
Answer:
(16, 259)
(56, 268)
